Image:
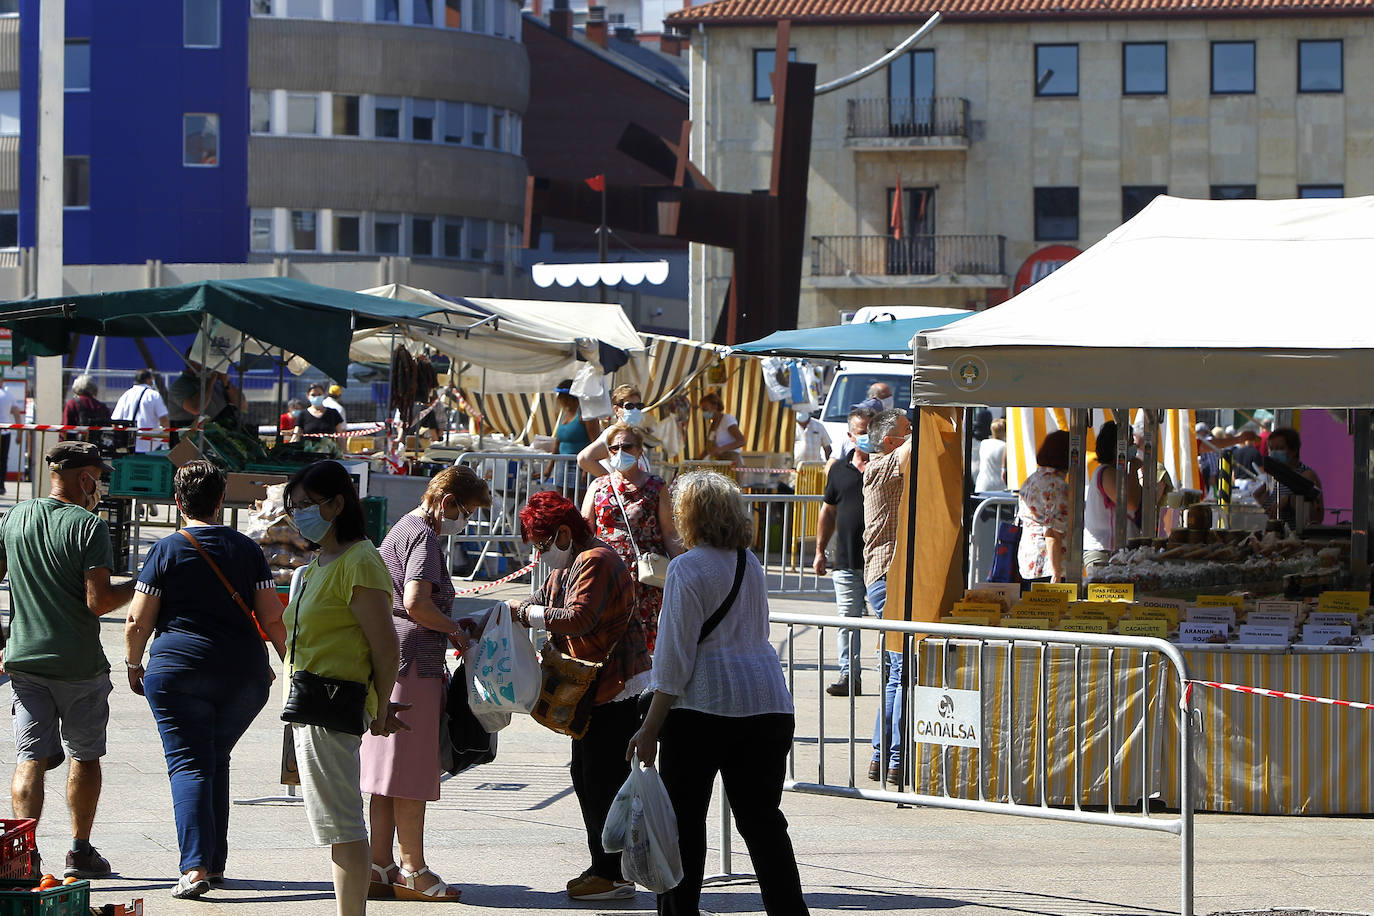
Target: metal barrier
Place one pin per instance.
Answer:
(1040, 657)
(987, 516)
(778, 524)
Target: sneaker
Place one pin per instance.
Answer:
(186, 889)
(587, 886)
(88, 864)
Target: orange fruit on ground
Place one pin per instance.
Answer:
(71, 880)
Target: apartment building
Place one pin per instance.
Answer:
(1020, 133)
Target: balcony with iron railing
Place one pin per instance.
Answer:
(898, 122)
(918, 260)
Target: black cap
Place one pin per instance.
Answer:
(68, 456)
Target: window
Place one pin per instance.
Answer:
(1233, 192)
(304, 9)
(388, 11)
(77, 66)
(1233, 67)
(301, 114)
(453, 13)
(764, 58)
(260, 112)
(422, 13)
(350, 10)
(453, 122)
(200, 23)
(422, 119)
(348, 233)
(260, 230)
(347, 122)
(478, 126)
(262, 7)
(477, 239)
(453, 237)
(1321, 66)
(910, 91)
(479, 15)
(498, 129)
(9, 7)
(386, 235)
(1145, 68)
(76, 181)
(422, 236)
(1056, 70)
(517, 134)
(1056, 214)
(200, 139)
(1321, 190)
(1134, 198)
(9, 230)
(304, 230)
(386, 119)
(9, 113)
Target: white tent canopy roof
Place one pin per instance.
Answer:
(1192, 303)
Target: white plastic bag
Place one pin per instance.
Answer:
(504, 667)
(589, 387)
(651, 857)
(618, 818)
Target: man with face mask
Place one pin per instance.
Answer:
(812, 442)
(58, 557)
(843, 513)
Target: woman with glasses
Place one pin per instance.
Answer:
(627, 406)
(402, 772)
(631, 510)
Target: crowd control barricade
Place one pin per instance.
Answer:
(989, 513)
(1031, 723)
(779, 523)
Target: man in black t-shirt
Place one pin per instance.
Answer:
(843, 514)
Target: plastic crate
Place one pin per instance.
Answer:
(116, 511)
(146, 475)
(374, 518)
(270, 467)
(18, 899)
(17, 848)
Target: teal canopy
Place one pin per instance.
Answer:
(870, 340)
(313, 322)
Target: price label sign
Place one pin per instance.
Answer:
(1011, 591)
(1046, 599)
(1150, 612)
(1068, 589)
(1029, 623)
(1085, 624)
(1226, 615)
(1343, 601)
(985, 608)
(1112, 591)
(1232, 601)
(966, 620)
(1201, 632)
(1159, 629)
(1252, 635)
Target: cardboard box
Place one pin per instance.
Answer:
(185, 451)
(245, 489)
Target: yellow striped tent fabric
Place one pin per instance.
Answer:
(810, 481)
(768, 426)
(1028, 426)
(674, 363)
(518, 414)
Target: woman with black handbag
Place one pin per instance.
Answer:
(585, 605)
(342, 660)
(720, 702)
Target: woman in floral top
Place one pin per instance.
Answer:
(1043, 511)
(630, 508)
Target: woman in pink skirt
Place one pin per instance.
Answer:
(402, 772)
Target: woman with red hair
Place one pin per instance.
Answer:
(586, 606)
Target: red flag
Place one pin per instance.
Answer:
(896, 220)
(596, 182)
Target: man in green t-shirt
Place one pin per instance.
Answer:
(58, 557)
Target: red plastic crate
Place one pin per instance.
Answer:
(18, 848)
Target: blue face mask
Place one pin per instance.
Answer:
(1278, 454)
(317, 400)
(624, 459)
(634, 417)
(310, 524)
(863, 443)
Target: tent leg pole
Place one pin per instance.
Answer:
(281, 391)
(907, 598)
(1125, 436)
(1149, 512)
(1078, 424)
(966, 492)
(1362, 493)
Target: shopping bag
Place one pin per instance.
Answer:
(593, 395)
(503, 667)
(463, 741)
(651, 857)
(1005, 567)
(618, 818)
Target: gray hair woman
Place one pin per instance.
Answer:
(83, 409)
(720, 704)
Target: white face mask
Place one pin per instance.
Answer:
(634, 416)
(94, 494)
(888, 402)
(624, 459)
(448, 526)
(558, 557)
(802, 417)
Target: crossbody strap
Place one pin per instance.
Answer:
(626, 515)
(714, 620)
(233, 592)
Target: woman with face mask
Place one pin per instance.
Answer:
(339, 625)
(631, 511)
(317, 418)
(586, 607)
(402, 772)
(627, 406)
(723, 436)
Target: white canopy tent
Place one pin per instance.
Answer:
(1192, 303)
(530, 347)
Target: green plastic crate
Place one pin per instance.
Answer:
(270, 467)
(374, 518)
(16, 899)
(148, 475)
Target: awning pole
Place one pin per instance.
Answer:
(908, 600)
(1361, 493)
(281, 391)
(965, 488)
(1078, 424)
(1125, 438)
(1149, 512)
(204, 369)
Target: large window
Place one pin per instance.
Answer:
(1056, 70)
(477, 239)
(1321, 190)
(302, 114)
(1233, 192)
(910, 93)
(422, 119)
(1233, 67)
(9, 7)
(453, 122)
(260, 230)
(1145, 68)
(422, 13)
(347, 121)
(478, 116)
(9, 230)
(200, 140)
(9, 113)
(479, 15)
(388, 10)
(1134, 198)
(453, 13)
(260, 112)
(1056, 214)
(76, 181)
(422, 236)
(200, 23)
(453, 237)
(77, 65)
(1321, 66)
(350, 10)
(305, 234)
(386, 119)
(304, 9)
(348, 232)
(386, 235)
(498, 129)
(764, 58)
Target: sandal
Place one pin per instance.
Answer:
(439, 891)
(380, 887)
(187, 889)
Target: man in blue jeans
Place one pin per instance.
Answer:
(890, 435)
(843, 514)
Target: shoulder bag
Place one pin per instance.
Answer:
(233, 593)
(328, 702)
(714, 620)
(650, 568)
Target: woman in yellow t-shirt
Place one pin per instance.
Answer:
(340, 626)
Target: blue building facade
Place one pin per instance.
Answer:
(156, 146)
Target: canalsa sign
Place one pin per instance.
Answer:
(943, 716)
(1041, 264)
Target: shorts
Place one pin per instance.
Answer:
(50, 714)
(328, 764)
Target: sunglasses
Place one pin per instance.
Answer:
(629, 446)
(633, 405)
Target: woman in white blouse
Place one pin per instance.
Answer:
(720, 703)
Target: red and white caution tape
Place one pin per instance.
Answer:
(347, 434)
(58, 428)
(502, 581)
(1281, 694)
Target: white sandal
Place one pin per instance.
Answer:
(381, 887)
(438, 892)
